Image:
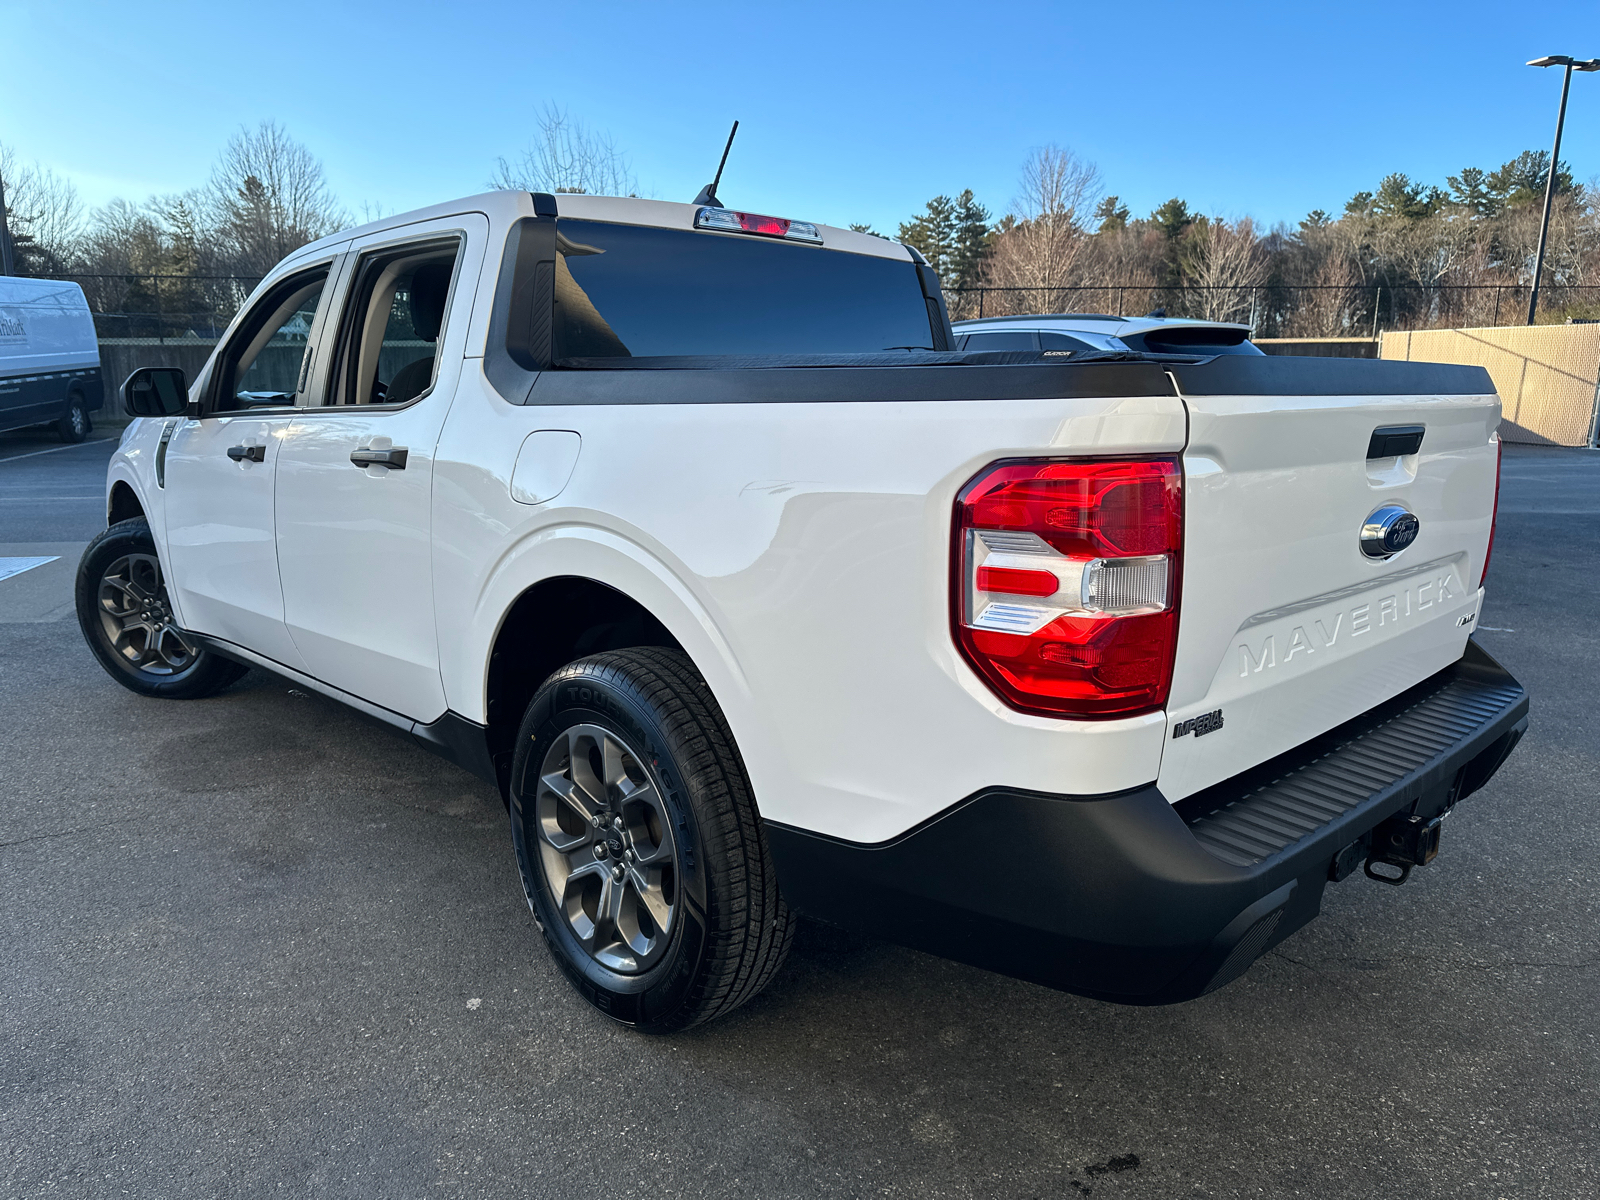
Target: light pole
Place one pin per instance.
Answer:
(1571, 65)
(7, 267)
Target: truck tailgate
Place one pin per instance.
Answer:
(1286, 627)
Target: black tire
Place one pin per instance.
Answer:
(74, 424)
(120, 570)
(730, 929)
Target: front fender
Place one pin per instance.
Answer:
(133, 465)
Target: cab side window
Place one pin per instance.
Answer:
(394, 324)
(267, 364)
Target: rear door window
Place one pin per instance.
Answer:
(1003, 339)
(393, 323)
(640, 292)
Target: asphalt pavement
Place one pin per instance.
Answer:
(260, 945)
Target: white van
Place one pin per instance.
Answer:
(49, 359)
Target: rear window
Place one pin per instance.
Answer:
(636, 291)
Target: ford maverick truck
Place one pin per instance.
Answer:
(690, 531)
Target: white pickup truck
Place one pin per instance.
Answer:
(687, 529)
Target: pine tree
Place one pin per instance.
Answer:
(1112, 214)
(1397, 196)
(933, 234)
(972, 233)
(1522, 180)
(1470, 191)
(1172, 218)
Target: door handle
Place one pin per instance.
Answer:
(393, 458)
(253, 453)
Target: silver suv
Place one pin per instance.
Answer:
(1073, 333)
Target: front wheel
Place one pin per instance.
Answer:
(640, 848)
(127, 620)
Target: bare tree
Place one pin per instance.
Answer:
(269, 196)
(44, 214)
(1125, 266)
(1226, 266)
(1041, 250)
(1326, 307)
(567, 156)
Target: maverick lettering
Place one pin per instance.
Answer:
(1364, 618)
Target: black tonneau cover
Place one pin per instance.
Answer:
(1285, 375)
(901, 376)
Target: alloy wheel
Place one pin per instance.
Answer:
(137, 620)
(607, 848)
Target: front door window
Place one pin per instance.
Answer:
(268, 362)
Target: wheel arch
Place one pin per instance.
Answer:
(553, 622)
(123, 504)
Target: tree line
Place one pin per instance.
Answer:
(184, 262)
(1405, 254)
(192, 255)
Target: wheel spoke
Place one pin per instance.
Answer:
(613, 771)
(652, 897)
(647, 854)
(579, 768)
(582, 871)
(611, 901)
(571, 795)
(648, 824)
(171, 647)
(116, 598)
(578, 888)
(596, 798)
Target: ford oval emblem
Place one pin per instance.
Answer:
(1388, 531)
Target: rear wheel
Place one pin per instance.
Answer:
(641, 852)
(128, 622)
(74, 423)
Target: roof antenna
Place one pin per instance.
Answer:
(708, 194)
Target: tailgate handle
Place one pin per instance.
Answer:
(1393, 441)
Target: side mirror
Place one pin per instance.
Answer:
(156, 392)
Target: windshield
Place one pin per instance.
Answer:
(638, 291)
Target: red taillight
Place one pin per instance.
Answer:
(1065, 583)
(1494, 518)
(771, 226)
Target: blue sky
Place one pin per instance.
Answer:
(850, 112)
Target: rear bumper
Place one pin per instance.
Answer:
(1131, 899)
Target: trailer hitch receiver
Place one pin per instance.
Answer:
(1403, 842)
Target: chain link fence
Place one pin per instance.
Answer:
(197, 308)
(163, 308)
(1295, 311)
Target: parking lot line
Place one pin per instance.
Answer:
(55, 449)
(16, 566)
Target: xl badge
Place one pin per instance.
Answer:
(1388, 531)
